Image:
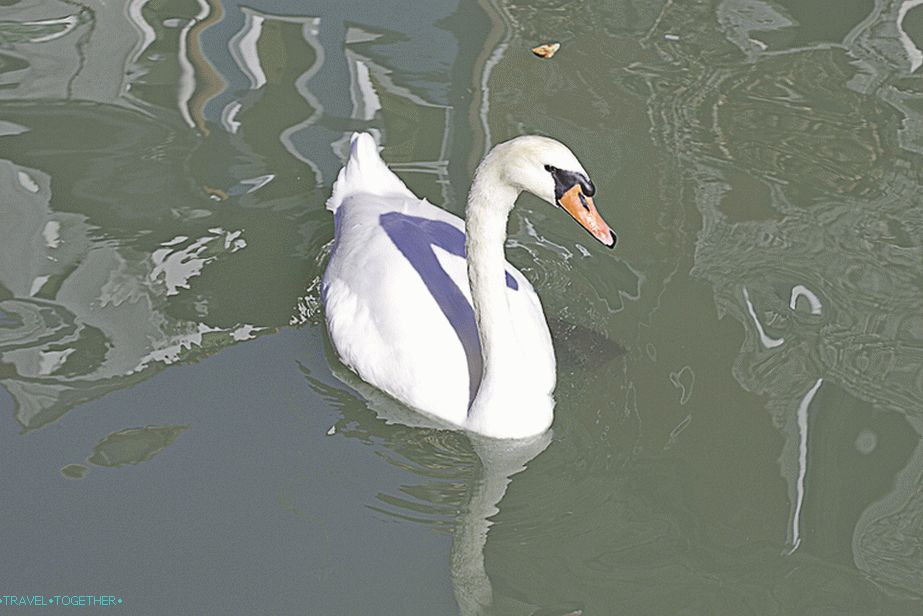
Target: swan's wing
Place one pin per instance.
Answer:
(365, 172)
(394, 315)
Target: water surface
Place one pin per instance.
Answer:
(740, 381)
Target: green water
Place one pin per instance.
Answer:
(740, 382)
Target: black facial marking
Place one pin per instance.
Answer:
(565, 180)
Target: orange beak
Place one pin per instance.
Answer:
(581, 207)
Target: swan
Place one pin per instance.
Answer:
(425, 307)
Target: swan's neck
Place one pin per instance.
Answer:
(489, 205)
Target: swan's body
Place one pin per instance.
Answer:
(400, 309)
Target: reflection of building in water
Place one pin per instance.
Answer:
(85, 302)
(151, 242)
(79, 320)
(39, 59)
(808, 184)
(237, 61)
(412, 145)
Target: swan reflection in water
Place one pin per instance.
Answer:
(462, 480)
(459, 479)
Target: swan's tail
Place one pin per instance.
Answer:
(364, 172)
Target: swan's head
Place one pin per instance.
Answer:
(549, 170)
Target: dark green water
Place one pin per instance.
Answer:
(740, 387)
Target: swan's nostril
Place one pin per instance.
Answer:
(583, 202)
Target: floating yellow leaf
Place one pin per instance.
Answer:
(547, 50)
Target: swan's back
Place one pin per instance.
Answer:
(365, 173)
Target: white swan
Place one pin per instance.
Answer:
(399, 307)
